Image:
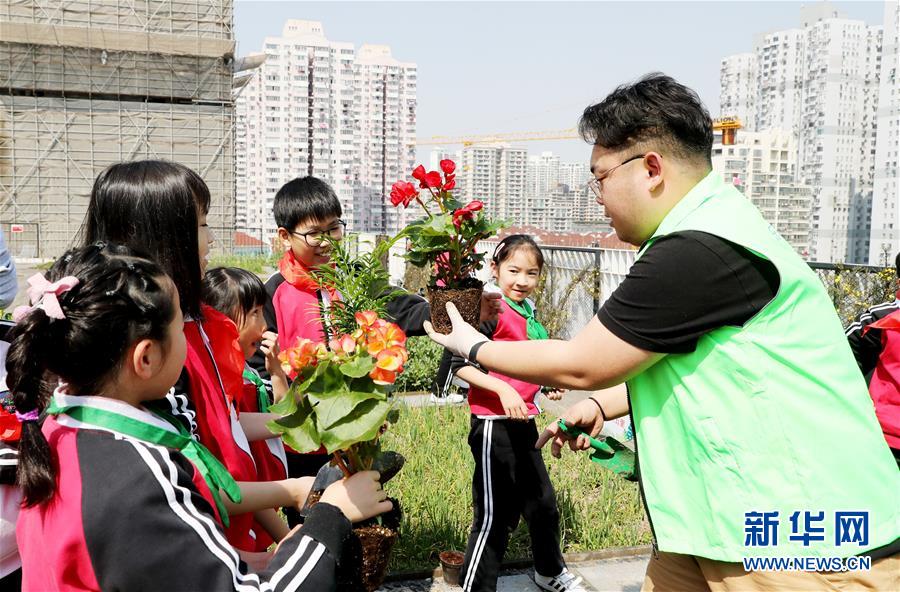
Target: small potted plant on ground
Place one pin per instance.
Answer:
(340, 398)
(445, 241)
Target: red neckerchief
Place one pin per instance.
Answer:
(298, 275)
(226, 351)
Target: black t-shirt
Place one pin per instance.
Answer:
(684, 286)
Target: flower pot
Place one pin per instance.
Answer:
(451, 564)
(467, 299)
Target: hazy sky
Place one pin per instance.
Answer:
(493, 67)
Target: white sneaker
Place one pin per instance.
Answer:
(451, 399)
(455, 398)
(564, 582)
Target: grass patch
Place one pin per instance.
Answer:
(258, 264)
(598, 509)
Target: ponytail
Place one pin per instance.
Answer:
(26, 372)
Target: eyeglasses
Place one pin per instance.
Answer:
(314, 238)
(596, 184)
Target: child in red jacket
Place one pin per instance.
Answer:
(241, 295)
(117, 497)
(875, 340)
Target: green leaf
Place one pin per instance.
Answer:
(287, 405)
(327, 379)
(417, 258)
(358, 367)
(298, 430)
(359, 426)
(439, 225)
(393, 416)
(332, 410)
(301, 440)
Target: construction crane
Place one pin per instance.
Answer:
(527, 136)
(729, 127)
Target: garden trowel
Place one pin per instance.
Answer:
(608, 452)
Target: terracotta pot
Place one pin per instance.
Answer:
(466, 298)
(451, 564)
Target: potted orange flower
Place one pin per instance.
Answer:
(340, 393)
(445, 241)
(340, 398)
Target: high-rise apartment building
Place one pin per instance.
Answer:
(763, 166)
(820, 83)
(542, 175)
(837, 129)
(574, 175)
(322, 108)
(884, 243)
(496, 175)
(779, 80)
(737, 96)
(558, 196)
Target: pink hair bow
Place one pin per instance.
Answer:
(44, 295)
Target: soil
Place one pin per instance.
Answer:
(467, 299)
(368, 549)
(452, 558)
(451, 563)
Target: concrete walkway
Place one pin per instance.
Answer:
(624, 574)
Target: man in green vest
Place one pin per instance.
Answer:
(755, 434)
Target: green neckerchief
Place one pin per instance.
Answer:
(261, 391)
(216, 475)
(535, 330)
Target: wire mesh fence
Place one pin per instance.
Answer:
(853, 288)
(574, 284)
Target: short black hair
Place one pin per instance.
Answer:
(305, 199)
(897, 265)
(655, 110)
(152, 206)
(234, 292)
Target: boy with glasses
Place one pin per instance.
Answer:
(307, 210)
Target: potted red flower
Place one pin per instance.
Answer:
(445, 241)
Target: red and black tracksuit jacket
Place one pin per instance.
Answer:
(875, 341)
(129, 515)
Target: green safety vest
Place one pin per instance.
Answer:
(771, 416)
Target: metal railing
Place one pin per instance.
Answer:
(576, 281)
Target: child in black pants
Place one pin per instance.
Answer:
(510, 478)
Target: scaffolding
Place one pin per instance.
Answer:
(87, 83)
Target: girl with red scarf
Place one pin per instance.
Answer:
(241, 295)
(160, 208)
